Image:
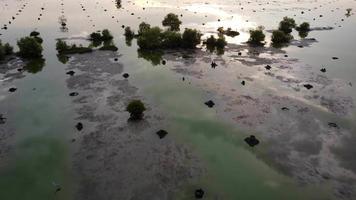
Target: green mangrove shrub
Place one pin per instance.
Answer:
(136, 109)
(5, 50)
(257, 37)
(29, 47)
(63, 48)
(287, 25)
(104, 35)
(172, 21)
(191, 38)
(280, 37)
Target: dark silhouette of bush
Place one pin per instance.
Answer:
(153, 38)
(303, 29)
(191, 38)
(136, 109)
(2, 53)
(63, 48)
(106, 35)
(34, 34)
(129, 34)
(30, 48)
(150, 38)
(229, 32)
(143, 27)
(221, 42)
(108, 46)
(280, 37)
(171, 39)
(287, 25)
(212, 43)
(38, 39)
(257, 37)
(95, 36)
(172, 21)
(5, 50)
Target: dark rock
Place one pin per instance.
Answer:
(73, 94)
(161, 133)
(323, 70)
(268, 67)
(199, 193)
(243, 82)
(239, 53)
(126, 75)
(335, 58)
(334, 125)
(210, 103)
(308, 86)
(164, 62)
(116, 59)
(71, 73)
(286, 55)
(12, 89)
(252, 141)
(79, 126)
(285, 108)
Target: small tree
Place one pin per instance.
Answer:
(136, 109)
(61, 46)
(95, 36)
(221, 42)
(257, 37)
(171, 39)
(129, 33)
(210, 42)
(287, 25)
(150, 39)
(172, 21)
(279, 37)
(143, 27)
(303, 27)
(191, 38)
(34, 34)
(5, 50)
(29, 48)
(106, 35)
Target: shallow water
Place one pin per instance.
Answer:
(299, 157)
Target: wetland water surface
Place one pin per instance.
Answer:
(307, 137)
